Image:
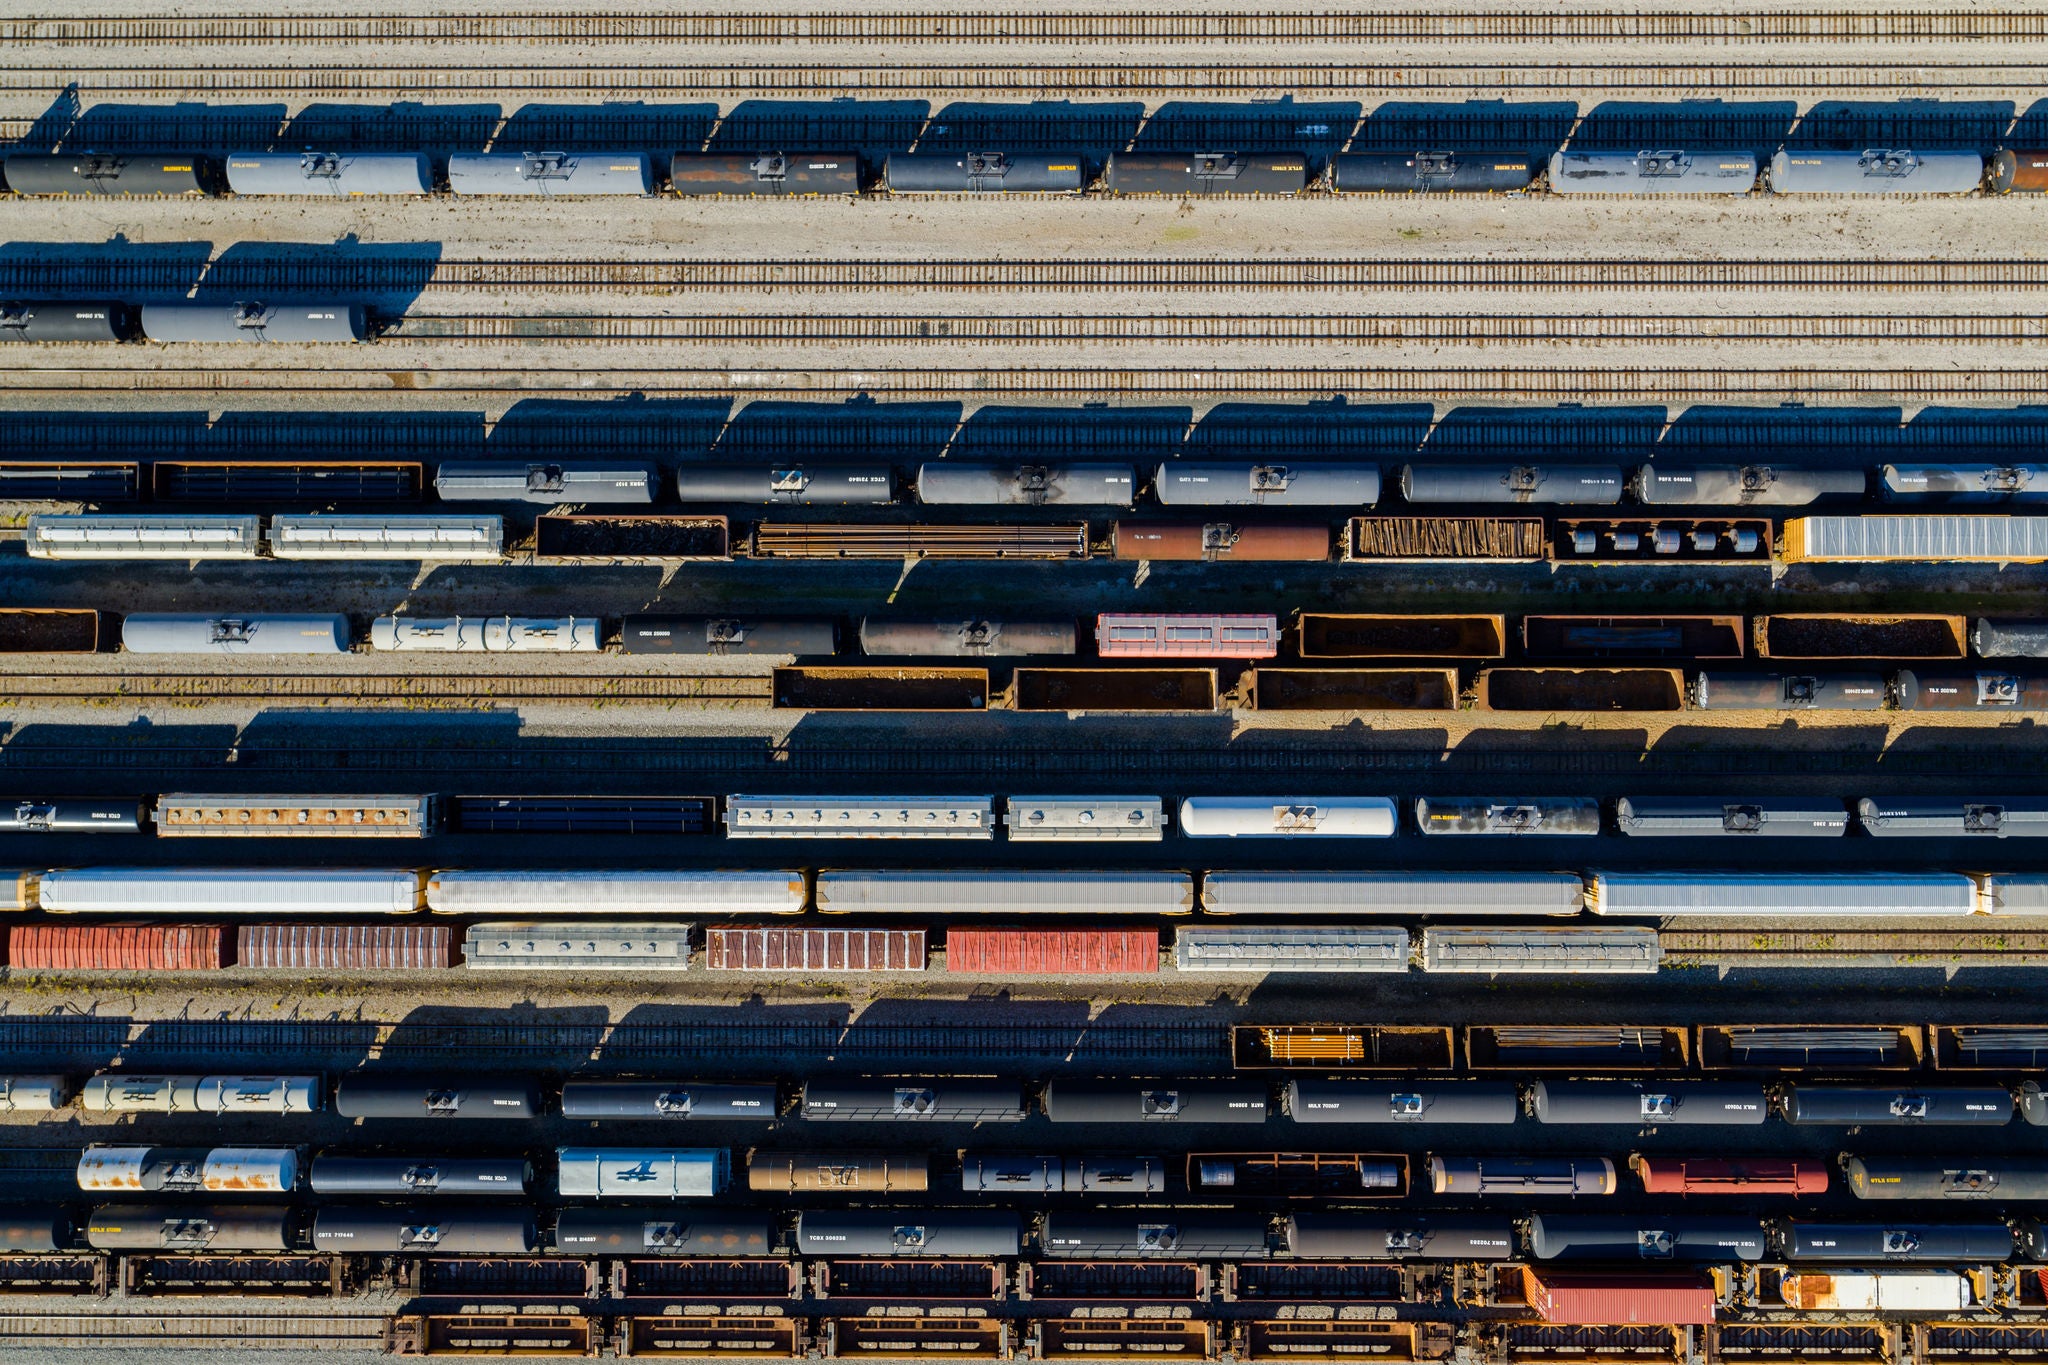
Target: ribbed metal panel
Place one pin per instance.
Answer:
(1006, 893)
(345, 947)
(1783, 895)
(1392, 893)
(609, 893)
(1575, 951)
(1980, 538)
(730, 948)
(1290, 950)
(1053, 952)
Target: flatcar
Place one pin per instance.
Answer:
(691, 174)
(104, 1168)
(908, 1232)
(367, 1095)
(1689, 1239)
(1202, 173)
(1872, 1106)
(71, 817)
(488, 634)
(1578, 815)
(652, 1172)
(66, 322)
(1433, 172)
(971, 483)
(1876, 171)
(1421, 1102)
(1070, 1101)
(1716, 691)
(1378, 1237)
(441, 1230)
(319, 323)
(1558, 485)
(1007, 1173)
(1794, 1176)
(838, 1172)
(1908, 1177)
(120, 1093)
(189, 1227)
(550, 174)
(1191, 483)
(548, 483)
(1652, 172)
(1145, 635)
(949, 1100)
(153, 536)
(1661, 485)
(490, 1177)
(970, 639)
(983, 173)
(1145, 1235)
(789, 485)
(1877, 1242)
(1965, 484)
(660, 1232)
(723, 635)
(338, 175)
(668, 1100)
(100, 175)
(1521, 1175)
(1650, 1103)
(214, 815)
(2005, 819)
(1335, 817)
(1697, 817)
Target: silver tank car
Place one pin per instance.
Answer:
(189, 1227)
(645, 1172)
(65, 322)
(660, 1232)
(259, 322)
(965, 639)
(1399, 1237)
(489, 634)
(1790, 692)
(488, 1176)
(219, 1170)
(963, 483)
(1872, 1106)
(1654, 172)
(34, 1094)
(2003, 819)
(444, 1231)
(983, 173)
(170, 633)
(1991, 638)
(1011, 1174)
(624, 483)
(1181, 483)
(1705, 817)
(1521, 1175)
(1876, 171)
(790, 485)
(71, 817)
(373, 1096)
(118, 1093)
(1962, 484)
(907, 1232)
(98, 175)
(1946, 1178)
(668, 1100)
(691, 174)
(1439, 172)
(1136, 1101)
(1507, 815)
(915, 1101)
(1139, 1236)
(1206, 173)
(1879, 1242)
(721, 635)
(1563, 485)
(1683, 1238)
(552, 174)
(1753, 485)
(1713, 1104)
(340, 175)
(1402, 1102)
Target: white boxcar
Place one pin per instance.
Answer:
(116, 1092)
(1864, 1291)
(387, 537)
(176, 633)
(223, 1170)
(1986, 539)
(1492, 894)
(210, 891)
(860, 817)
(181, 815)
(1084, 819)
(1783, 895)
(616, 893)
(489, 634)
(1264, 949)
(2013, 894)
(1117, 894)
(641, 1172)
(577, 945)
(1493, 951)
(34, 1094)
(155, 536)
(1289, 817)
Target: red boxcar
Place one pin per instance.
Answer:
(115, 947)
(736, 948)
(346, 947)
(1594, 1298)
(1053, 952)
(1744, 1175)
(1144, 635)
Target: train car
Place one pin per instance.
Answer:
(1681, 1238)
(947, 1100)
(805, 485)
(115, 1092)
(1422, 1102)
(618, 892)
(1578, 815)
(104, 1168)
(318, 323)
(104, 175)
(189, 1227)
(655, 1172)
(440, 1230)
(896, 1233)
(1918, 690)
(1714, 1104)
(984, 173)
(1704, 817)
(1559, 485)
(96, 947)
(2004, 819)
(1513, 949)
(488, 1176)
(1298, 1175)
(1876, 171)
(838, 1172)
(976, 639)
(1878, 1242)
(2018, 172)
(213, 891)
(1400, 1237)
(1433, 172)
(374, 1095)
(660, 1232)
(1964, 484)
(183, 815)
(1145, 1235)
(668, 1100)
(568, 945)
(1052, 952)
(178, 633)
(1874, 1106)
(1083, 819)
(152, 536)
(35, 1229)
(1909, 1177)
(1794, 1176)
(1865, 1291)
(488, 634)
(723, 635)
(71, 817)
(1712, 691)
(21, 1094)
(745, 948)
(550, 174)
(1521, 1175)
(548, 483)
(1008, 1173)
(1378, 894)
(692, 174)
(1204, 173)
(1147, 635)
(1272, 950)
(1137, 1101)
(1268, 817)
(1923, 537)
(974, 483)
(859, 817)
(1679, 485)
(1220, 542)
(1784, 896)
(63, 322)
(462, 539)
(1191, 483)
(988, 894)
(1655, 172)
(335, 175)
(1993, 638)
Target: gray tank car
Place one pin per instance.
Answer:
(822, 485)
(627, 482)
(1964, 484)
(1577, 815)
(965, 639)
(442, 1231)
(984, 173)
(1873, 1106)
(1790, 692)
(176, 633)
(1206, 173)
(667, 1100)
(1680, 1238)
(1069, 1101)
(1875, 1242)
(1433, 173)
(1399, 1237)
(1742, 485)
(1402, 1102)
(1145, 1235)
(1180, 483)
(319, 323)
(948, 483)
(100, 175)
(1557, 485)
(721, 635)
(1936, 819)
(1657, 172)
(1908, 1177)
(553, 174)
(692, 174)
(660, 1232)
(66, 322)
(1706, 817)
(189, 1227)
(1991, 638)
(339, 175)
(908, 1232)
(1877, 170)
(1687, 1104)
(489, 1176)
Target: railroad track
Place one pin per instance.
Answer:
(1235, 28)
(1125, 80)
(381, 689)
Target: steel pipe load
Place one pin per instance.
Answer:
(495, 1176)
